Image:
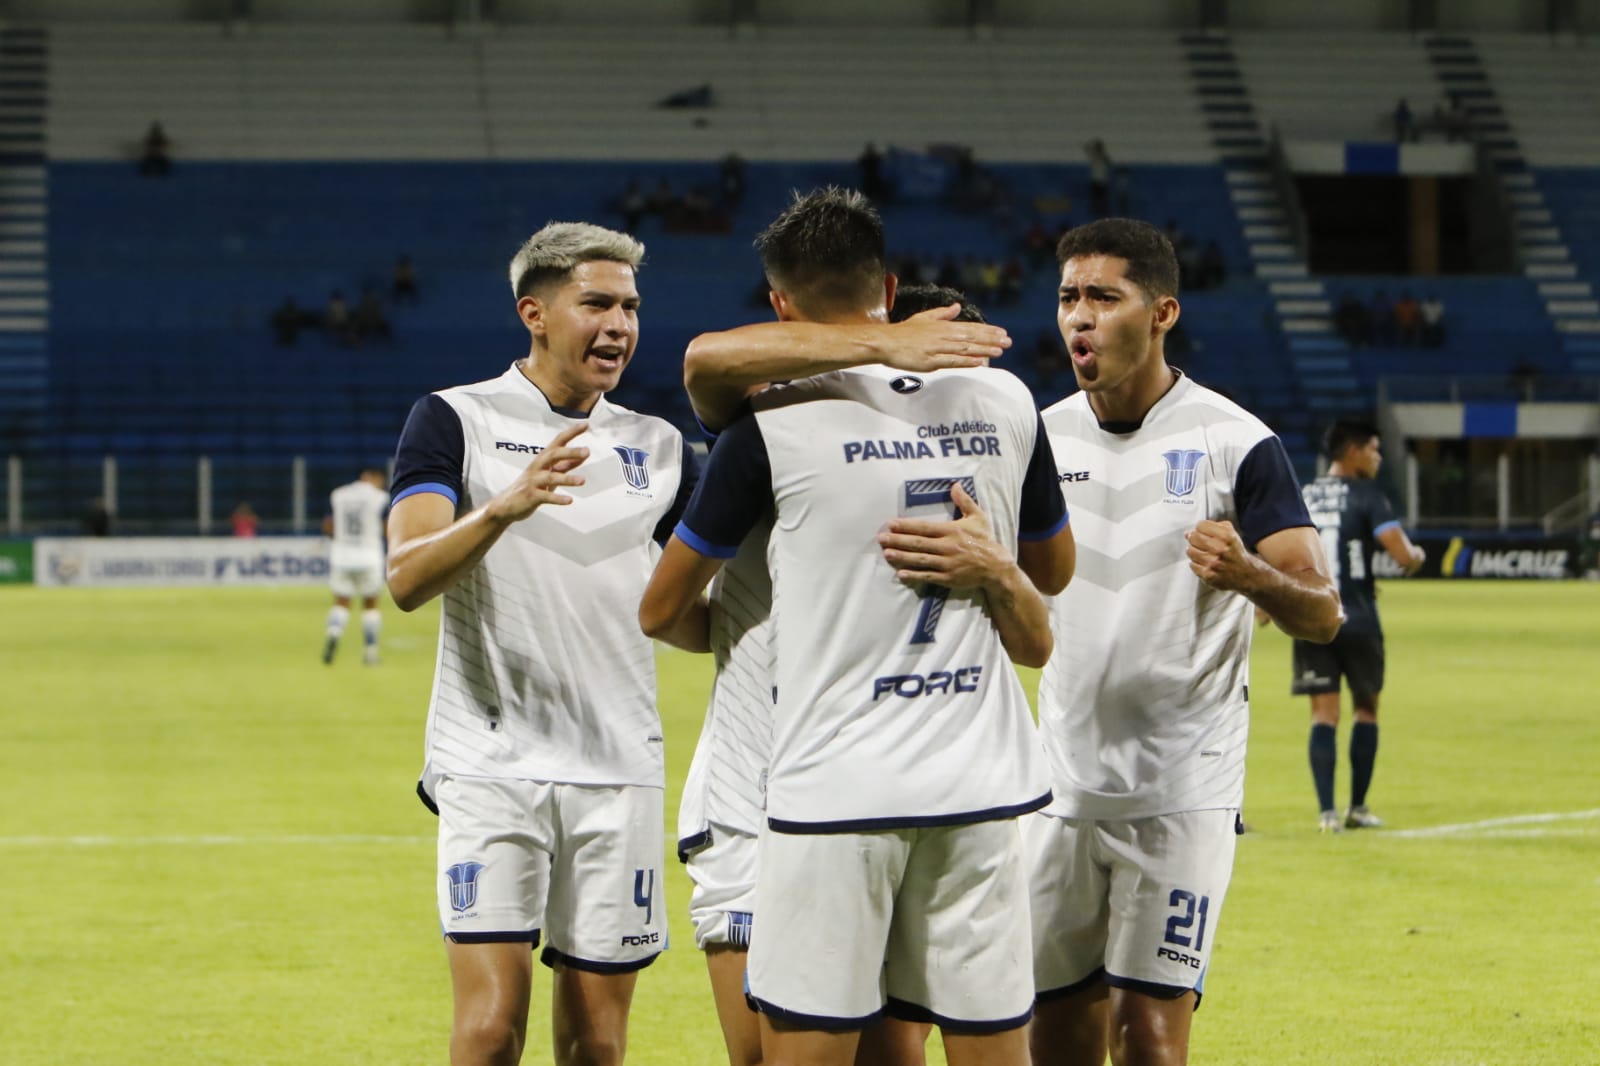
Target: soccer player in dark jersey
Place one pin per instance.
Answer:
(1353, 518)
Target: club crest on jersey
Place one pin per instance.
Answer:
(1183, 466)
(633, 466)
(464, 885)
(906, 384)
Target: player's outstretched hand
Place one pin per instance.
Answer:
(957, 553)
(1218, 557)
(933, 341)
(540, 482)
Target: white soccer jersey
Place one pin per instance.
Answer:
(727, 777)
(1144, 704)
(893, 709)
(357, 526)
(543, 673)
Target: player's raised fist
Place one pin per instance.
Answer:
(541, 481)
(1218, 557)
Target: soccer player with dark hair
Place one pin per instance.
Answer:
(1353, 518)
(912, 300)
(1187, 511)
(544, 750)
(890, 874)
(722, 810)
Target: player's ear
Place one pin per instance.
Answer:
(891, 285)
(531, 310)
(1166, 314)
(781, 305)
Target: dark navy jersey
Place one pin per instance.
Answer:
(1349, 513)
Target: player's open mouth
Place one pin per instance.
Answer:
(1082, 351)
(609, 359)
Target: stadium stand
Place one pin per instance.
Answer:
(297, 173)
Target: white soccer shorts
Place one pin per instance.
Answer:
(1137, 901)
(928, 925)
(722, 902)
(579, 864)
(363, 581)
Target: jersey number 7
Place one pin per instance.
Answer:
(932, 492)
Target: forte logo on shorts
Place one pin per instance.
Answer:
(636, 940)
(1183, 957)
(464, 886)
(938, 683)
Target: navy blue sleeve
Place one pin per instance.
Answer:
(688, 478)
(1380, 514)
(1266, 493)
(735, 490)
(1044, 510)
(431, 453)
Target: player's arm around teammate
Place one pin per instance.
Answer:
(721, 369)
(963, 554)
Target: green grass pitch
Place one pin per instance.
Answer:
(212, 851)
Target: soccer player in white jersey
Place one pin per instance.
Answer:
(1186, 511)
(355, 561)
(889, 876)
(721, 813)
(544, 757)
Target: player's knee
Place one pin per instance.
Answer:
(591, 1048)
(487, 1036)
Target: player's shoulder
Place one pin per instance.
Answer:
(1069, 414)
(1220, 413)
(617, 419)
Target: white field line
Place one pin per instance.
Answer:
(208, 841)
(1495, 823)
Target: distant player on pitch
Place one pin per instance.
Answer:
(1353, 517)
(889, 877)
(355, 561)
(1186, 511)
(533, 507)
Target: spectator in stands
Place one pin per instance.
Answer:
(632, 205)
(1011, 282)
(1407, 319)
(403, 286)
(286, 321)
(155, 160)
(1454, 119)
(732, 169)
(1353, 321)
(870, 165)
(990, 275)
(336, 318)
(1382, 319)
(1405, 124)
(97, 519)
(662, 201)
(1040, 248)
(369, 321)
(1100, 167)
(1431, 314)
(1049, 356)
(1213, 268)
(245, 520)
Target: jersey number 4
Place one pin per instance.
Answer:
(921, 494)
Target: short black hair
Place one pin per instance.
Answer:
(914, 299)
(1152, 264)
(826, 251)
(1344, 433)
